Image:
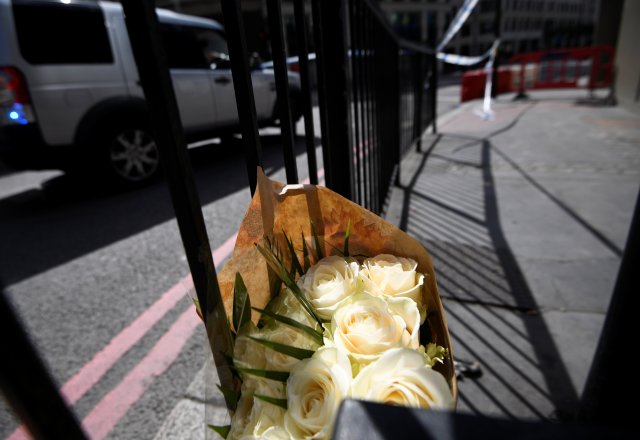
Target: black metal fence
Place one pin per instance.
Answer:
(374, 98)
(373, 105)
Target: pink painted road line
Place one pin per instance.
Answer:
(113, 406)
(108, 411)
(92, 371)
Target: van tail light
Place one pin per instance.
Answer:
(15, 103)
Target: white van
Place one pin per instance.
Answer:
(70, 95)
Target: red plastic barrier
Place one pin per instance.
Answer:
(474, 82)
(585, 67)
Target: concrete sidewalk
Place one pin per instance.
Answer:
(526, 217)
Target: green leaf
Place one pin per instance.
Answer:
(223, 431)
(345, 251)
(315, 334)
(282, 403)
(305, 254)
(198, 309)
(280, 376)
(283, 274)
(316, 240)
(241, 303)
(230, 396)
(298, 353)
(295, 263)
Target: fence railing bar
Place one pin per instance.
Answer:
(356, 99)
(142, 27)
(364, 97)
(274, 11)
(28, 386)
(371, 97)
(334, 69)
(242, 85)
(395, 92)
(374, 40)
(318, 37)
(418, 92)
(307, 108)
(433, 93)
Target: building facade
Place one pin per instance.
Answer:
(525, 25)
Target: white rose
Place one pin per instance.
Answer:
(387, 274)
(253, 417)
(287, 335)
(272, 433)
(247, 353)
(315, 389)
(366, 326)
(401, 377)
(328, 282)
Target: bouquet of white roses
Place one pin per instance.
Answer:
(340, 312)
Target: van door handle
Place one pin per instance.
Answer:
(222, 80)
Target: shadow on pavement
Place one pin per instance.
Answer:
(451, 205)
(68, 217)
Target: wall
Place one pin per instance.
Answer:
(627, 59)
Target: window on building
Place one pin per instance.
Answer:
(486, 27)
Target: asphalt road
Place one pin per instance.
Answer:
(81, 264)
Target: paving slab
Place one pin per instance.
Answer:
(534, 365)
(201, 404)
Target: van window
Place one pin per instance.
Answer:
(189, 47)
(58, 33)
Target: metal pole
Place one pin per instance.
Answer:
(496, 61)
(417, 96)
(333, 72)
(433, 90)
(234, 28)
(356, 87)
(274, 11)
(609, 384)
(307, 108)
(27, 385)
(142, 26)
(318, 37)
(433, 77)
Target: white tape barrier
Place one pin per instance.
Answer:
(487, 114)
(462, 60)
(458, 21)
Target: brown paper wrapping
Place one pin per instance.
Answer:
(276, 208)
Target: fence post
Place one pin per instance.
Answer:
(496, 61)
(28, 386)
(332, 71)
(274, 11)
(433, 90)
(396, 91)
(245, 101)
(417, 96)
(142, 27)
(307, 108)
